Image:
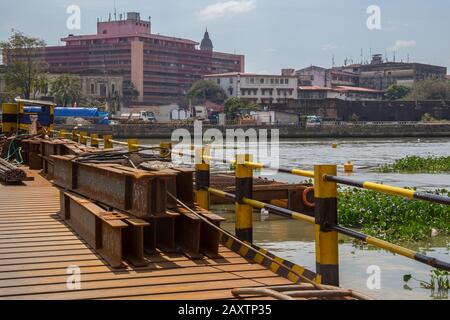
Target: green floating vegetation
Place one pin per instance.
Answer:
(392, 218)
(439, 283)
(416, 164)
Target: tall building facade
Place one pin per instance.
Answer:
(161, 68)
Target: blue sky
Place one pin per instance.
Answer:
(272, 34)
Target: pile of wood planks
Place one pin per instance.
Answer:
(10, 173)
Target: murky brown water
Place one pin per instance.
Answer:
(293, 240)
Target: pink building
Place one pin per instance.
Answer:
(161, 68)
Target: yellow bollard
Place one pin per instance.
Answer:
(133, 145)
(107, 142)
(202, 178)
(244, 189)
(348, 167)
(83, 137)
(75, 135)
(334, 145)
(327, 248)
(165, 149)
(62, 133)
(94, 140)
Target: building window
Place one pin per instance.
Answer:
(261, 81)
(92, 88)
(113, 88)
(252, 80)
(218, 81)
(103, 90)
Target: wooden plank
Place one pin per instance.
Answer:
(43, 248)
(53, 253)
(7, 264)
(187, 288)
(30, 270)
(40, 244)
(35, 235)
(41, 239)
(104, 273)
(41, 232)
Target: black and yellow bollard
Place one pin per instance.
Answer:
(62, 133)
(94, 140)
(75, 135)
(202, 178)
(107, 142)
(165, 150)
(83, 137)
(244, 189)
(327, 250)
(133, 145)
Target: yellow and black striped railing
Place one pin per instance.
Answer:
(343, 230)
(325, 217)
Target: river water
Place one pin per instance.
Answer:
(294, 240)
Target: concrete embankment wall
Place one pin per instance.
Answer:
(164, 131)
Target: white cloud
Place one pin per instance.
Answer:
(329, 46)
(224, 8)
(402, 44)
(270, 50)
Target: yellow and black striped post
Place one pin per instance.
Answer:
(94, 140)
(62, 133)
(107, 142)
(10, 117)
(133, 145)
(244, 189)
(83, 137)
(327, 251)
(165, 149)
(202, 178)
(75, 135)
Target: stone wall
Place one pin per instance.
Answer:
(335, 109)
(331, 130)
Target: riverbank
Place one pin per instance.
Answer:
(334, 130)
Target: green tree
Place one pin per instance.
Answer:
(236, 105)
(430, 89)
(25, 66)
(130, 93)
(66, 89)
(203, 90)
(397, 92)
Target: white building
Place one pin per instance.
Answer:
(258, 88)
(339, 92)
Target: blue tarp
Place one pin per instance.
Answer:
(68, 112)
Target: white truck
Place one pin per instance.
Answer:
(200, 113)
(145, 116)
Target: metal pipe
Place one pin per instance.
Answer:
(396, 191)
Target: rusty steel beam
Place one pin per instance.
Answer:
(140, 193)
(209, 236)
(103, 236)
(115, 236)
(188, 229)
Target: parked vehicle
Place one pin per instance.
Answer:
(145, 116)
(313, 120)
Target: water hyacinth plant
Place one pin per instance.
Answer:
(392, 218)
(416, 164)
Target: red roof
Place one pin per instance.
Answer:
(356, 89)
(211, 106)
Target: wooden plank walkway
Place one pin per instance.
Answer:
(36, 248)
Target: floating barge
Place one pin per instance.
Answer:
(40, 242)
